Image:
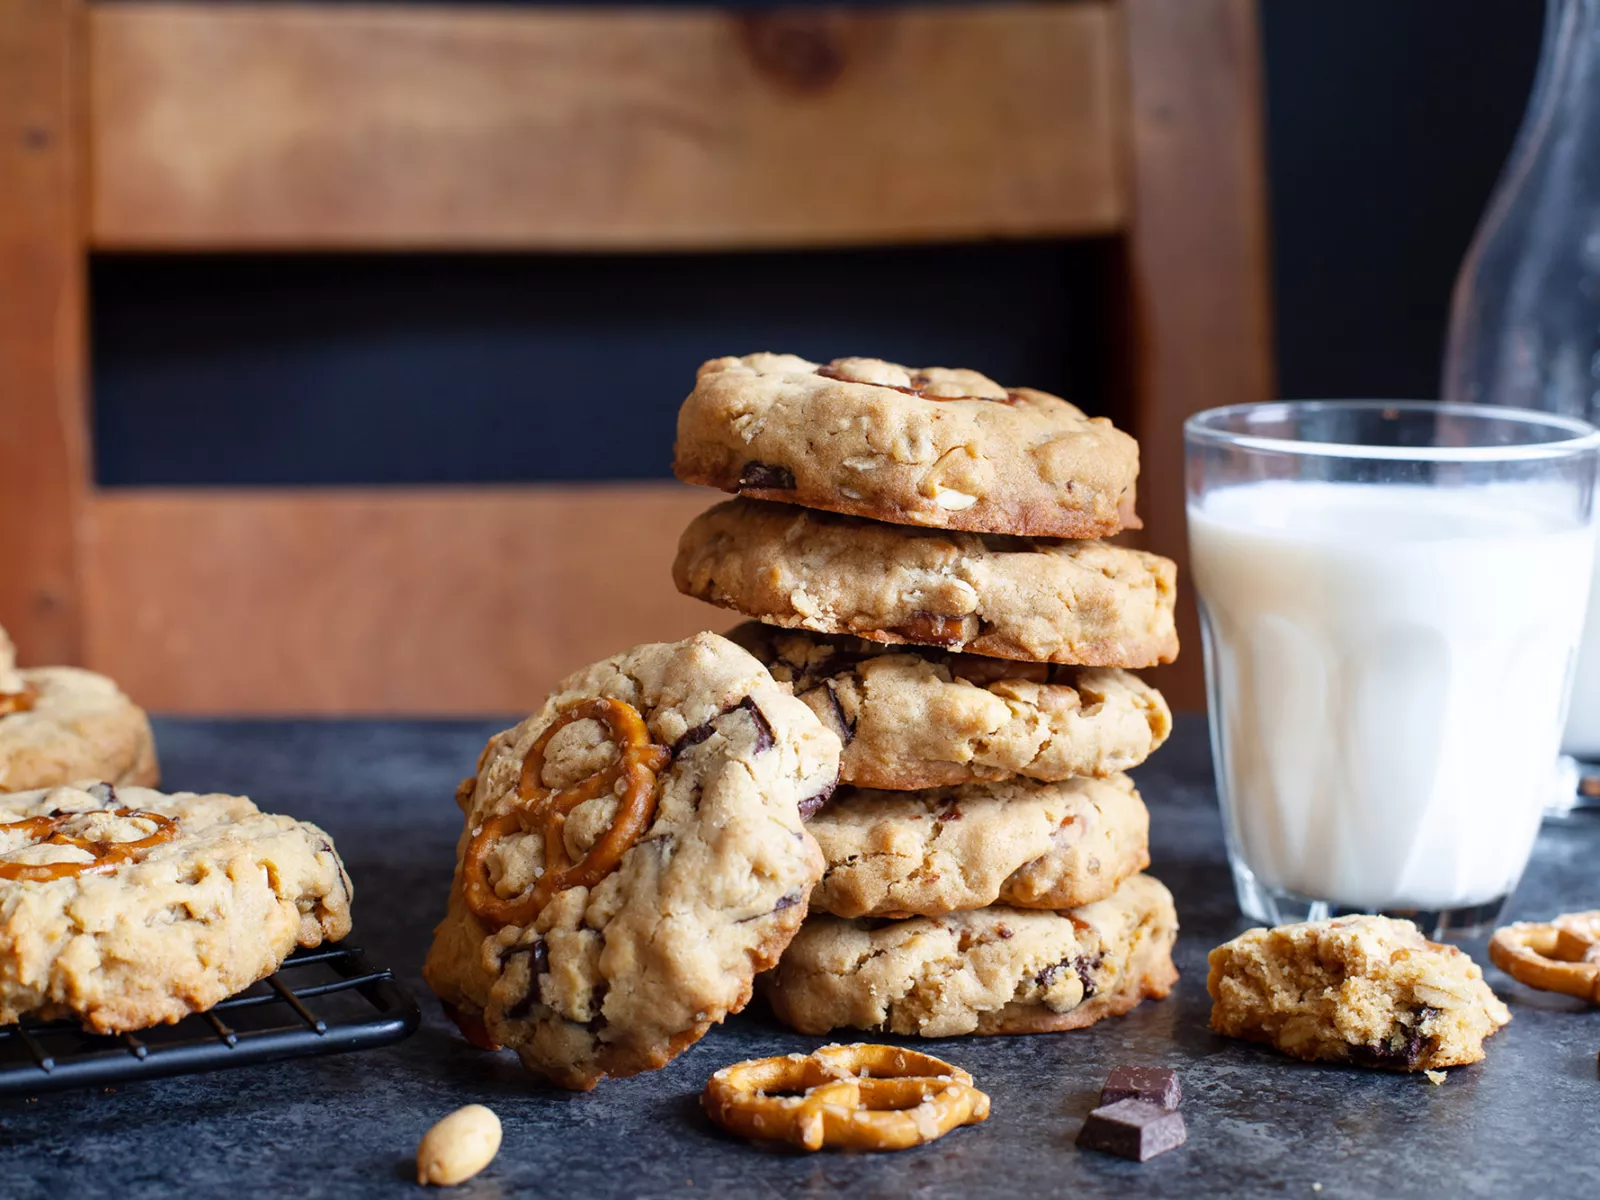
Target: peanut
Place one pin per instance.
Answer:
(458, 1147)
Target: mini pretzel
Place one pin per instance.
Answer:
(17, 702)
(859, 1097)
(108, 856)
(1562, 956)
(545, 809)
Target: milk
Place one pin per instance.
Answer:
(1388, 669)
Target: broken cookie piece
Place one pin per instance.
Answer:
(1362, 990)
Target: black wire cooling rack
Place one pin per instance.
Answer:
(326, 1001)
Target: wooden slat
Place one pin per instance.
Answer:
(1197, 255)
(42, 415)
(442, 601)
(277, 125)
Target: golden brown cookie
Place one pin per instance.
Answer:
(61, 725)
(1363, 990)
(914, 717)
(632, 855)
(1079, 602)
(996, 970)
(123, 907)
(1018, 843)
(909, 445)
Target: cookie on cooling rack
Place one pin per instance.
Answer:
(122, 907)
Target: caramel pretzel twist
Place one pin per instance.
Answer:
(860, 1097)
(18, 702)
(108, 856)
(1560, 956)
(544, 810)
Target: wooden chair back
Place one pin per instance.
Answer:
(213, 128)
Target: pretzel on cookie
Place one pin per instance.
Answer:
(859, 1097)
(545, 810)
(1557, 956)
(18, 702)
(105, 857)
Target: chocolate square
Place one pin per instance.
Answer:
(1133, 1129)
(1154, 1085)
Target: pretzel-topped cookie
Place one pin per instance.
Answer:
(105, 856)
(636, 766)
(1556, 956)
(632, 854)
(857, 1097)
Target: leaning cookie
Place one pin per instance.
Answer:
(913, 446)
(916, 717)
(1021, 843)
(997, 970)
(1363, 990)
(632, 855)
(1087, 603)
(122, 907)
(60, 724)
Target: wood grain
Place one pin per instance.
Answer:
(444, 601)
(290, 126)
(42, 413)
(1197, 269)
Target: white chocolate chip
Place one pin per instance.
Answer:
(952, 500)
(458, 1147)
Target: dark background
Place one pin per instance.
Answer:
(1388, 121)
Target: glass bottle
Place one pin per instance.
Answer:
(1525, 315)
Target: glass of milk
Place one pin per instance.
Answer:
(1391, 598)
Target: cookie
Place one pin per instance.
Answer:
(1020, 843)
(1362, 990)
(1080, 602)
(913, 446)
(670, 780)
(996, 970)
(923, 718)
(122, 907)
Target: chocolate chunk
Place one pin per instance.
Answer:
(764, 738)
(788, 900)
(1133, 1129)
(537, 966)
(1047, 976)
(694, 736)
(103, 792)
(765, 475)
(1403, 1050)
(1083, 966)
(1153, 1085)
(950, 814)
(598, 1022)
(843, 726)
(811, 804)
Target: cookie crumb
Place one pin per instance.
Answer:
(1436, 1078)
(1316, 1187)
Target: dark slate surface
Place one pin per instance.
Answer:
(1521, 1123)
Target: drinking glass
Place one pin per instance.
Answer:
(1391, 600)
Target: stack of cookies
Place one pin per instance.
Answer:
(920, 551)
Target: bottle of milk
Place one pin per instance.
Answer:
(1525, 319)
